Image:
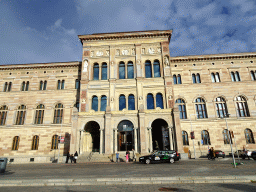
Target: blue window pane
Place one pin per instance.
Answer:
(193, 78)
(159, 100)
(96, 72)
(174, 79)
(179, 79)
(198, 78)
(121, 71)
(131, 102)
(103, 103)
(130, 70)
(148, 69)
(104, 71)
(232, 76)
(150, 101)
(122, 102)
(95, 103)
(157, 69)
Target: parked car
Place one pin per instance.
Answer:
(160, 157)
(219, 153)
(253, 155)
(246, 154)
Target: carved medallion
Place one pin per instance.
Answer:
(99, 53)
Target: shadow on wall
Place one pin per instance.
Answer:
(66, 144)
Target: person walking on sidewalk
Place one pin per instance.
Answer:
(75, 156)
(127, 156)
(117, 157)
(68, 156)
(71, 158)
(133, 155)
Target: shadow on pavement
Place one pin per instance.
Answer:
(7, 173)
(242, 187)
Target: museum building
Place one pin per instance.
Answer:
(127, 93)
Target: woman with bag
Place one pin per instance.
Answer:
(75, 156)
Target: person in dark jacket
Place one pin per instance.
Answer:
(68, 156)
(75, 156)
(71, 158)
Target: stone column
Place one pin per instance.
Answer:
(135, 139)
(101, 140)
(143, 134)
(176, 119)
(150, 139)
(108, 134)
(170, 138)
(115, 140)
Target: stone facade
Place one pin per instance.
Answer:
(106, 99)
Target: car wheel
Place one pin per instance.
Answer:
(171, 160)
(223, 157)
(147, 161)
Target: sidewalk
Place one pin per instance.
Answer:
(190, 171)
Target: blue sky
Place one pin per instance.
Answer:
(41, 31)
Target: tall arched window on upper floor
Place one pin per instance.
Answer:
(54, 142)
(104, 71)
(227, 137)
(205, 137)
(103, 103)
(130, 70)
(235, 76)
(221, 107)
(157, 72)
(185, 138)
(21, 113)
(121, 70)
(96, 71)
(148, 69)
(215, 77)
(242, 107)
(253, 75)
(7, 87)
(196, 78)
(35, 142)
(15, 143)
(95, 103)
(77, 84)
(249, 136)
(131, 102)
(122, 102)
(174, 79)
(58, 114)
(25, 86)
(182, 108)
(159, 100)
(200, 108)
(150, 101)
(179, 79)
(3, 114)
(39, 114)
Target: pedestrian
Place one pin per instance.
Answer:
(213, 153)
(117, 157)
(68, 156)
(71, 158)
(75, 156)
(133, 155)
(127, 156)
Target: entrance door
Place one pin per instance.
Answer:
(125, 136)
(160, 135)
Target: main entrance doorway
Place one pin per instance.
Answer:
(125, 136)
(160, 135)
(91, 138)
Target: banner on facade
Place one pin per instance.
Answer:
(61, 139)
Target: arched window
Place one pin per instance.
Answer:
(121, 70)
(25, 86)
(104, 71)
(131, 102)
(77, 84)
(103, 103)
(62, 84)
(54, 142)
(96, 71)
(58, 114)
(193, 78)
(45, 85)
(205, 137)
(39, 114)
(157, 69)
(227, 137)
(7, 86)
(253, 75)
(159, 100)
(235, 76)
(179, 79)
(221, 107)
(41, 85)
(3, 114)
(150, 101)
(35, 143)
(130, 70)
(174, 79)
(215, 77)
(185, 138)
(122, 102)
(182, 108)
(249, 136)
(21, 112)
(200, 108)
(148, 69)
(242, 107)
(15, 143)
(95, 103)
(196, 78)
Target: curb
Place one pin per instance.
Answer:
(127, 181)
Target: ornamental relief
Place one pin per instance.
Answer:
(99, 53)
(151, 50)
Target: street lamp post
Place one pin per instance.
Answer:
(193, 139)
(225, 116)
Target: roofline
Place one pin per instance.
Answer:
(125, 35)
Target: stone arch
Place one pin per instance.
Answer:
(125, 135)
(91, 137)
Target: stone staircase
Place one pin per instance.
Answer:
(94, 157)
